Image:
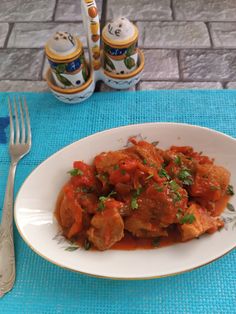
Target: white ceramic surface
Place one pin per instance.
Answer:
(118, 83)
(62, 43)
(36, 199)
(119, 30)
(73, 97)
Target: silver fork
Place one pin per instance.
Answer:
(19, 146)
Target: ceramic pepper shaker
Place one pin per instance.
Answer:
(66, 58)
(120, 39)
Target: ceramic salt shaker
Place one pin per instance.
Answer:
(120, 39)
(66, 58)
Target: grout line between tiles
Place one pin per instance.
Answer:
(8, 35)
(54, 11)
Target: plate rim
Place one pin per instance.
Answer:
(192, 126)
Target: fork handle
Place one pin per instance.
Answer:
(7, 254)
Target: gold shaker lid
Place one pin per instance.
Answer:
(63, 47)
(120, 33)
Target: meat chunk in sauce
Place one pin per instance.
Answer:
(202, 223)
(157, 209)
(210, 182)
(107, 226)
(70, 216)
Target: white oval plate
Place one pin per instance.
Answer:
(36, 199)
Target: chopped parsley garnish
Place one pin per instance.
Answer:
(177, 161)
(174, 185)
(75, 172)
(156, 242)
(134, 202)
(155, 143)
(134, 199)
(214, 188)
(138, 191)
(230, 190)
(116, 167)
(123, 171)
(84, 189)
(230, 207)
(187, 219)
(178, 215)
(87, 245)
(101, 204)
(163, 174)
(176, 197)
(145, 161)
(157, 187)
(150, 176)
(71, 248)
(102, 199)
(185, 176)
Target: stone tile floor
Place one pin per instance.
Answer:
(188, 44)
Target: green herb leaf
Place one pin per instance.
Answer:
(230, 190)
(145, 161)
(84, 189)
(138, 191)
(157, 187)
(101, 206)
(176, 197)
(178, 216)
(188, 218)
(134, 202)
(230, 207)
(150, 176)
(214, 188)
(174, 185)
(185, 176)
(75, 172)
(123, 171)
(177, 160)
(156, 242)
(71, 248)
(102, 199)
(111, 193)
(116, 167)
(87, 245)
(162, 173)
(155, 143)
(134, 199)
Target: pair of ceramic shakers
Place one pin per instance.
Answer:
(72, 79)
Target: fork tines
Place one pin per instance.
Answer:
(20, 131)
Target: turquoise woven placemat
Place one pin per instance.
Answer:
(44, 288)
